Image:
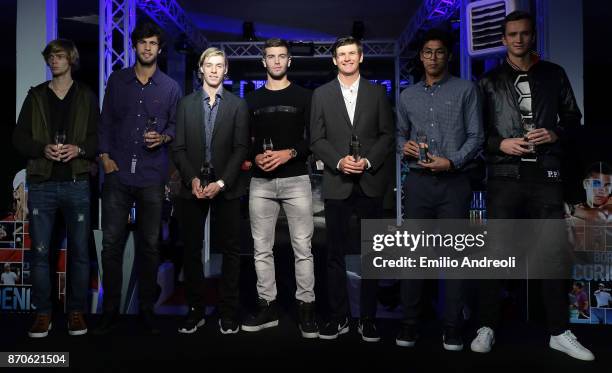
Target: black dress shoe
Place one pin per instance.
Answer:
(108, 322)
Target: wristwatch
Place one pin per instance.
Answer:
(293, 153)
(221, 184)
(81, 151)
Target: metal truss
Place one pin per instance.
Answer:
(322, 49)
(240, 50)
(382, 48)
(406, 66)
(168, 13)
(431, 14)
(117, 19)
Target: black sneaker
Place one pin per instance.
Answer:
(193, 321)
(108, 322)
(266, 317)
(451, 340)
(308, 322)
(407, 336)
(228, 325)
(367, 329)
(149, 322)
(333, 329)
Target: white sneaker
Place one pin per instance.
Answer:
(484, 340)
(568, 343)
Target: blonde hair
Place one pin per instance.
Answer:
(210, 52)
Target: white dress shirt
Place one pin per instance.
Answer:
(350, 97)
(349, 93)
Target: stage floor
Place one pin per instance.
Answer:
(518, 345)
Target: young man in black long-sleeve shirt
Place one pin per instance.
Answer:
(279, 121)
(56, 131)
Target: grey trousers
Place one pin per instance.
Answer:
(266, 196)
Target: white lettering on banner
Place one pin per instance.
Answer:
(15, 298)
(593, 272)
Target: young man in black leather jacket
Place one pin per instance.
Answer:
(529, 106)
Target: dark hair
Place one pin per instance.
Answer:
(346, 40)
(147, 29)
(578, 285)
(275, 42)
(437, 34)
(63, 45)
(598, 168)
(518, 15)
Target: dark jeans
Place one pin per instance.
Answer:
(435, 196)
(117, 200)
(515, 199)
(72, 199)
(337, 218)
(192, 215)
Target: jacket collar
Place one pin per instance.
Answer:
(535, 58)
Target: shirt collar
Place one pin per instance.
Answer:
(155, 78)
(444, 79)
(219, 94)
(355, 85)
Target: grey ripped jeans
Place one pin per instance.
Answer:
(266, 196)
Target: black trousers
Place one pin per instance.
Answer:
(337, 218)
(517, 199)
(192, 216)
(117, 200)
(435, 196)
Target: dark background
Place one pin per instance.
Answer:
(590, 143)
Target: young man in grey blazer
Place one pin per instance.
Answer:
(212, 139)
(345, 109)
